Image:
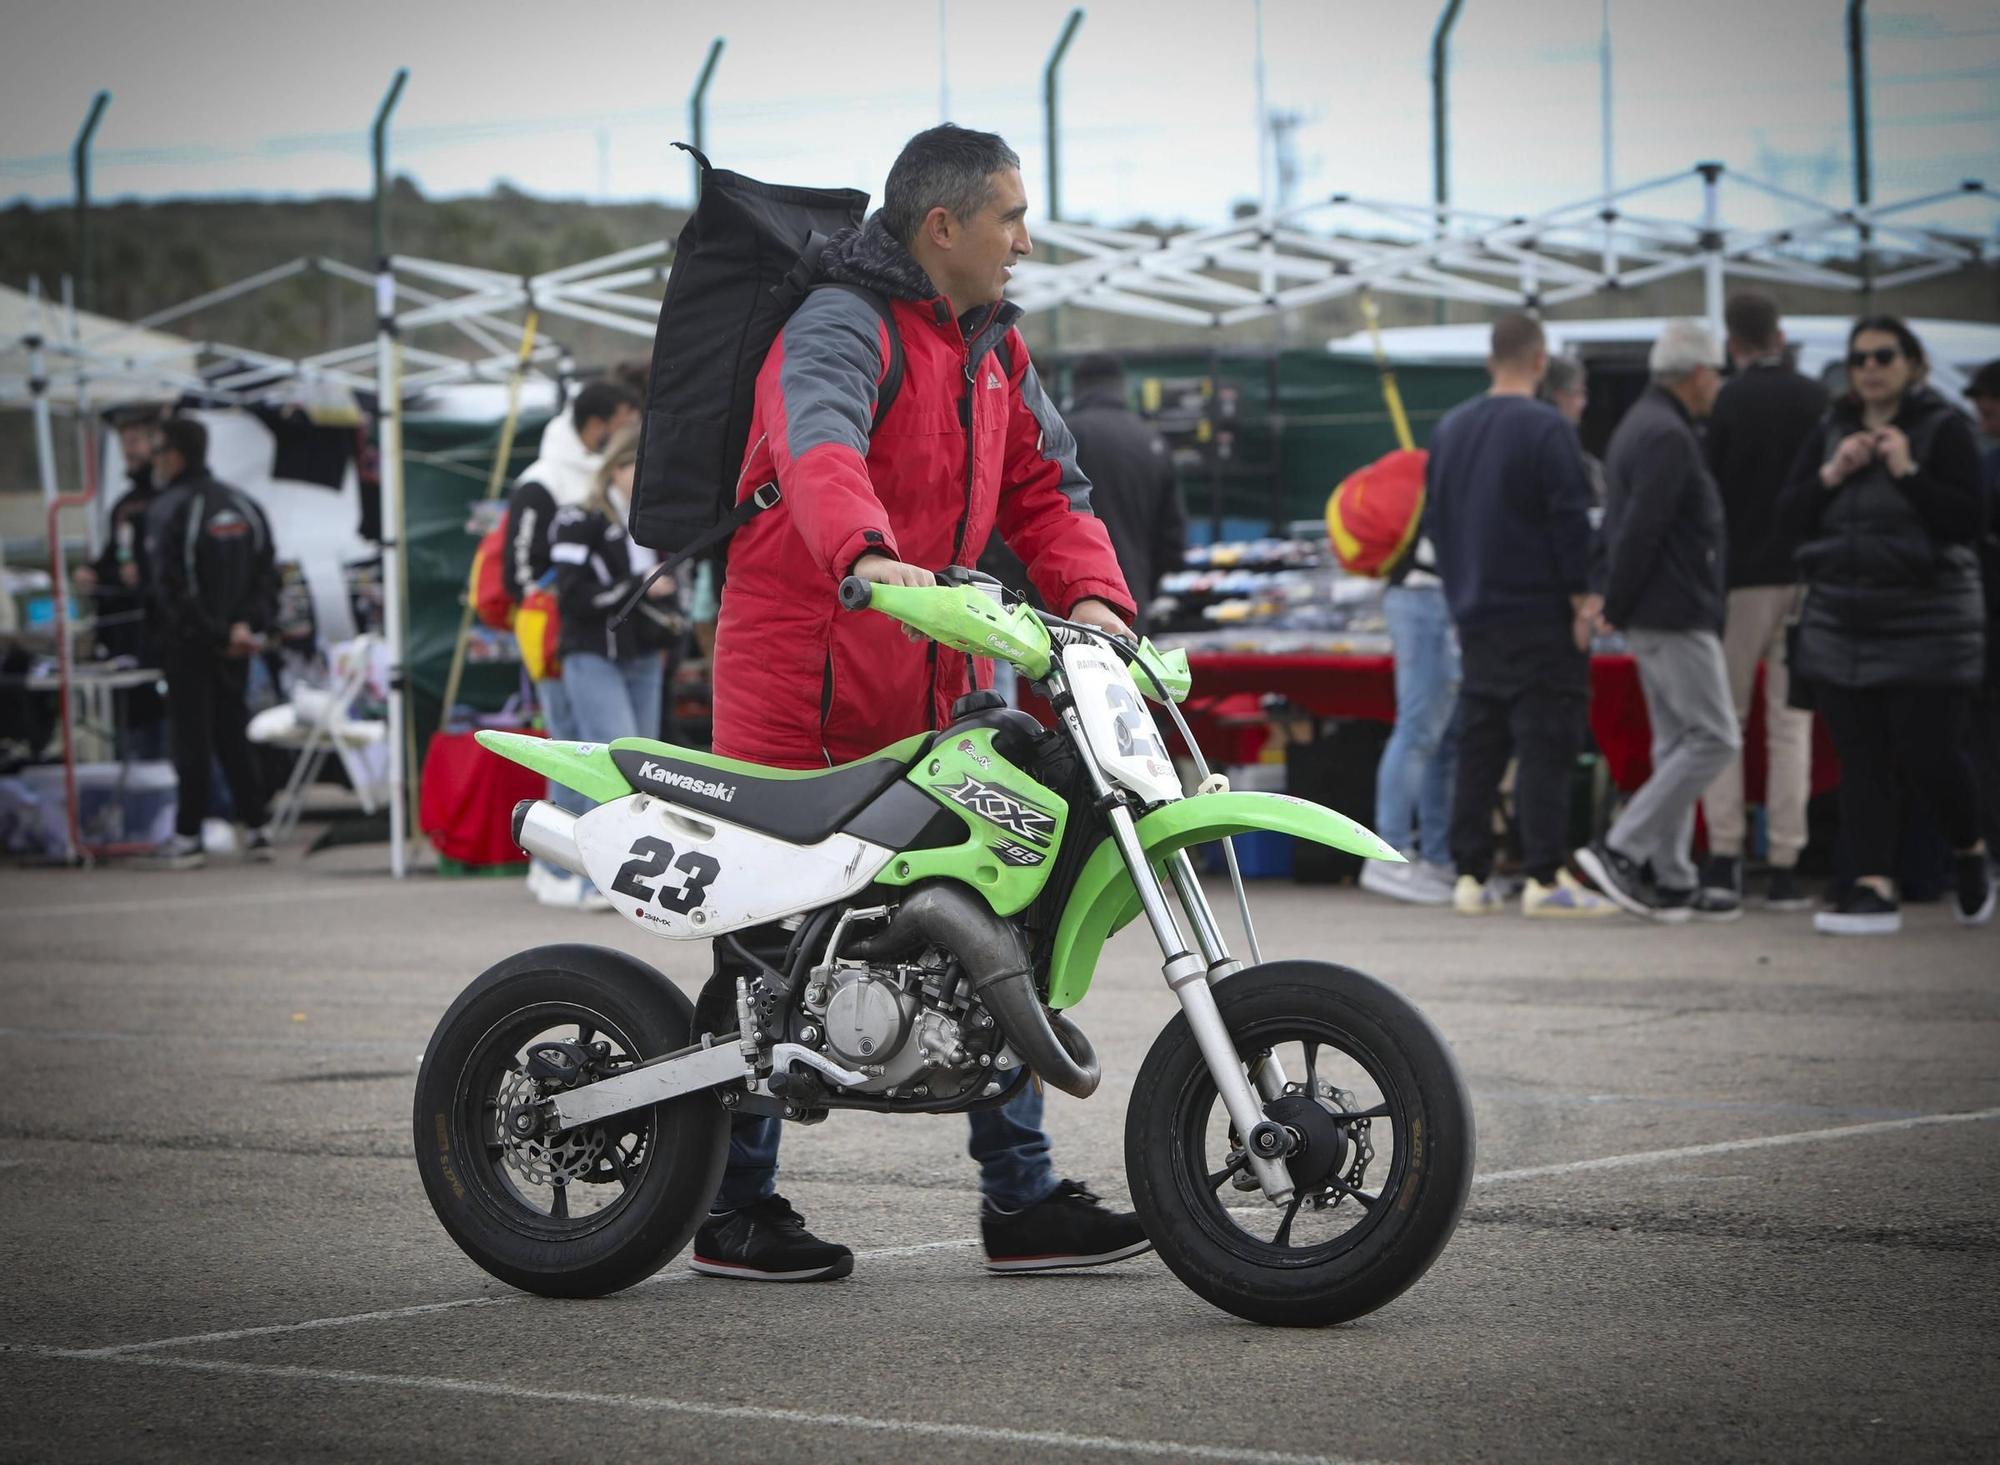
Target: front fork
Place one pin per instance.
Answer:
(1189, 976)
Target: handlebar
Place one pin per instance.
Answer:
(855, 592)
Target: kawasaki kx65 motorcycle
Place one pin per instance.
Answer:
(910, 933)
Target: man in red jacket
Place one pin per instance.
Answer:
(970, 445)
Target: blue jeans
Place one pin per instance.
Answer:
(613, 699)
(1415, 775)
(556, 721)
(1008, 1142)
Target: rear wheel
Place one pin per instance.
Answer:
(1382, 1128)
(588, 1210)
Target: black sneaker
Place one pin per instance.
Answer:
(1671, 907)
(1624, 884)
(1782, 891)
(1863, 911)
(1724, 875)
(1069, 1229)
(1974, 888)
(1715, 905)
(767, 1241)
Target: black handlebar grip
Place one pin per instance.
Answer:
(856, 592)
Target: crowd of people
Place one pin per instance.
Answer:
(1843, 542)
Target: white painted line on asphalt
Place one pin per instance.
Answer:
(387, 1314)
(393, 1313)
(978, 1434)
(1731, 1146)
(357, 891)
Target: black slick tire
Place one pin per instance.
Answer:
(687, 1138)
(1423, 1193)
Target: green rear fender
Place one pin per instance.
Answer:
(585, 767)
(1104, 897)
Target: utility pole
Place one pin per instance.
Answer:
(380, 149)
(1857, 92)
(1049, 119)
(86, 265)
(698, 108)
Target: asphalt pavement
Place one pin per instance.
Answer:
(1735, 1201)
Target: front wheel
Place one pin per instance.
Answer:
(1383, 1136)
(583, 1211)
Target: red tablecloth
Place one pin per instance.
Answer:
(1226, 717)
(467, 797)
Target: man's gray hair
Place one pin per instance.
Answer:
(1684, 347)
(945, 167)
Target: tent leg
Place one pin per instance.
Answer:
(389, 430)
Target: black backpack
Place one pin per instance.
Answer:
(746, 259)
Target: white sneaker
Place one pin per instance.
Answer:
(1436, 882)
(1417, 883)
(1379, 877)
(1472, 897)
(218, 837)
(1563, 899)
(551, 886)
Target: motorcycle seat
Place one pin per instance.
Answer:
(800, 806)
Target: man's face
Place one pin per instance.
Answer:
(167, 464)
(1988, 409)
(1707, 381)
(1571, 402)
(984, 248)
(136, 444)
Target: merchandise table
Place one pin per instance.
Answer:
(1226, 716)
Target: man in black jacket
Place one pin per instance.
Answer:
(1131, 472)
(215, 594)
(1761, 418)
(1664, 543)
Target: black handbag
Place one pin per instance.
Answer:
(1798, 691)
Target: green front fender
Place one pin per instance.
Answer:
(1104, 897)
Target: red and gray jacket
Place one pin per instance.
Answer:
(971, 444)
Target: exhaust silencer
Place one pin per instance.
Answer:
(996, 960)
(548, 833)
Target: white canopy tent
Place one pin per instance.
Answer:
(1277, 261)
(1274, 262)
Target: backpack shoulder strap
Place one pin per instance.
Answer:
(892, 377)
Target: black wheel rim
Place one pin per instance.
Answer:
(551, 1188)
(1366, 1192)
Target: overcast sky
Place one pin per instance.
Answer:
(1159, 110)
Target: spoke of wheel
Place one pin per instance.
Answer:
(618, 1167)
(495, 1149)
(1312, 1069)
(1380, 1111)
(584, 1033)
(559, 1206)
(1284, 1235)
(1367, 1200)
(1235, 1164)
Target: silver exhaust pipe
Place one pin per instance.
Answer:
(996, 960)
(548, 833)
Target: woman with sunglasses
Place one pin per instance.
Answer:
(1884, 505)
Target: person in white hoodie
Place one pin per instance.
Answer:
(562, 477)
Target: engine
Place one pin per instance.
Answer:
(912, 1028)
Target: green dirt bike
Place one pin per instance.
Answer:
(910, 933)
